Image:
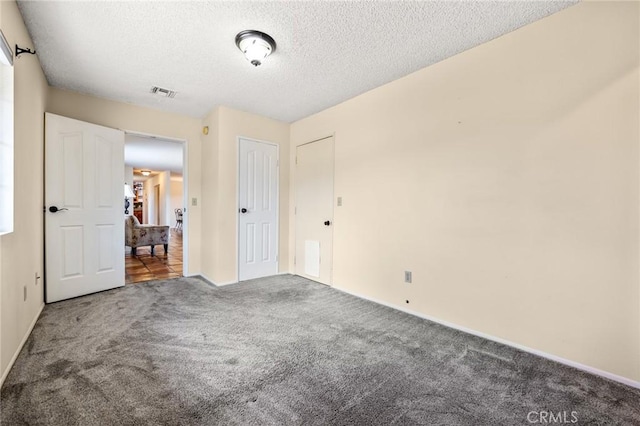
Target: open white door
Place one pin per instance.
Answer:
(84, 208)
(314, 210)
(258, 210)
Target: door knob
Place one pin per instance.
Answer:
(54, 209)
(243, 210)
(327, 223)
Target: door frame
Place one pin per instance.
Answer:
(185, 192)
(237, 201)
(293, 178)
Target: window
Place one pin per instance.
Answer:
(6, 136)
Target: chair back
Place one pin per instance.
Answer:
(178, 215)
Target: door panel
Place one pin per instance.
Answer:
(314, 208)
(312, 258)
(104, 173)
(72, 169)
(251, 243)
(84, 240)
(106, 240)
(72, 249)
(258, 210)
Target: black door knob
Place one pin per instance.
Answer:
(54, 209)
(243, 210)
(327, 223)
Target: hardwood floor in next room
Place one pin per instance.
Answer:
(145, 267)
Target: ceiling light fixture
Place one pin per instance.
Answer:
(145, 172)
(255, 45)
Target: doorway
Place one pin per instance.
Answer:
(257, 209)
(314, 210)
(157, 167)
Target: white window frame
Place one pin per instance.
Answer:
(6, 137)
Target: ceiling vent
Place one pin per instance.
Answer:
(163, 92)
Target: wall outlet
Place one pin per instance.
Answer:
(407, 276)
(194, 201)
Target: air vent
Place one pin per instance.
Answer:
(163, 92)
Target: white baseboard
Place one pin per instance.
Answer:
(5, 373)
(225, 283)
(210, 281)
(570, 363)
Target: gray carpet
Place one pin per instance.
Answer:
(281, 350)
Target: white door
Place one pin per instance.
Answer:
(314, 210)
(84, 208)
(257, 210)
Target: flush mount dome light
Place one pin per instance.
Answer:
(255, 45)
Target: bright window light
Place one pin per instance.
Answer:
(6, 137)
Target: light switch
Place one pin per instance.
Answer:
(407, 276)
(194, 201)
(339, 201)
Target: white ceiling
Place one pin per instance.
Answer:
(155, 154)
(327, 52)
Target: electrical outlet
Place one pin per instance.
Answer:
(407, 276)
(194, 201)
(25, 293)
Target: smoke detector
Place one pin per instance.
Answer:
(163, 92)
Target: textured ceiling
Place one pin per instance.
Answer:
(327, 51)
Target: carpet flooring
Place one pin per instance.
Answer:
(281, 350)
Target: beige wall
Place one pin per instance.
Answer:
(220, 153)
(162, 179)
(506, 179)
(22, 253)
(208, 201)
(148, 121)
(176, 199)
